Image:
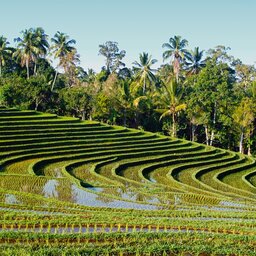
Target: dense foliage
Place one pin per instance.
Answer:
(209, 98)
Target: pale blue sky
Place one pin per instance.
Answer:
(137, 25)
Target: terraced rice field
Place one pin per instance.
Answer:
(110, 189)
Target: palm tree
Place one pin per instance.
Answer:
(69, 60)
(194, 61)
(143, 70)
(62, 50)
(41, 43)
(91, 75)
(170, 98)
(125, 98)
(26, 49)
(5, 52)
(31, 47)
(176, 50)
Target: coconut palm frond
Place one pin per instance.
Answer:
(138, 100)
(180, 107)
(166, 114)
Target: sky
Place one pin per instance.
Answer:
(137, 25)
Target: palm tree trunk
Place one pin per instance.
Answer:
(193, 131)
(206, 135)
(241, 148)
(176, 67)
(54, 80)
(36, 104)
(212, 137)
(83, 115)
(249, 150)
(144, 85)
(35, 69)
(173, 126)
(0, 69)
(27, 66)
(125, 117)
(108, 66)
(136, 119)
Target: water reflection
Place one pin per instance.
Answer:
(126, 196)
(98, 200)
(49, 189)
(113, 197)
(131, 194)
(99, 197)
(11, 199)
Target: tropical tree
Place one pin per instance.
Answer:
(12, 92)
(113, 56)
(176, 50)
(77, 100)
(253, 90)
(125, 98)
(143, 70)
(171, 99)
(165, 73)
(26, 49)
(125, 73)
(245, 74)
(41, 44)
(62, 50)
(5, 52)
(37, 91)
(81, 74)
(219, 54)
(30, 47)
(90, 78)
(69, 63)
(210, 99)
(243, 117)
(194, 61)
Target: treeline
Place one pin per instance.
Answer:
(208, 97)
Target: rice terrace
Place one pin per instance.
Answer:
(87, 186)
(127, 128)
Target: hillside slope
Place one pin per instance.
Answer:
(94, 164)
